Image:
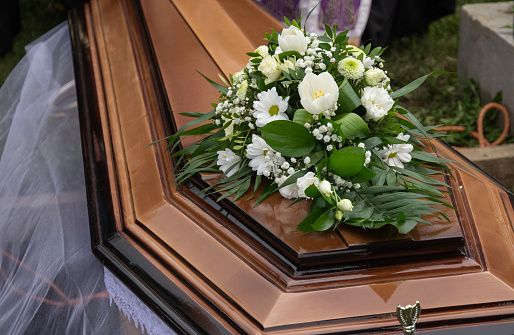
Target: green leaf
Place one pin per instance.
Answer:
(312, 191)
(364, 175)
(217, 86)
(242, 190)
(293, 178)
(319, 218)
(372, 142)
(348, 100)
(347, 162)
(301, 116)
(324, 39)
(415, 84)
(288, 138)
(406, 226)
(352, 125)
(270, 188)
(325, 221)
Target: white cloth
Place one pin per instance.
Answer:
(50, 282)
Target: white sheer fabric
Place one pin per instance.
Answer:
(50, 282)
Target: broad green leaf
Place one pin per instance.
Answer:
(406, 226)
(352, 125)
(325, 221)
(372, 142)
(347, 162)
(288, 138)
(348, 100)
(301, 116)
(312, 191)
(415, 84)
(364, 175)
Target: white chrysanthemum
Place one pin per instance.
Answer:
(318, 92)
(351, 68)
(270, 107)
(290, 191)
(256, 152)
(377, 102)
(397, 154)
(304, 182)
(269, 68)
(293, 39)
(263, 158)
(226, 159)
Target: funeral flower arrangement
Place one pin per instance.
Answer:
(313, 117)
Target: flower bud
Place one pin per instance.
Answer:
(345, 205)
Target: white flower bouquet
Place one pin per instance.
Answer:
(314, 118)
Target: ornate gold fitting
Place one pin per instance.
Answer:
(408, 316)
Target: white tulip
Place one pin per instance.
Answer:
(318, 93)
(293, 39)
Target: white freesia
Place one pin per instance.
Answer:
(270, 106)
(325, 188)
(397, 154)
(345, 205)
(374, 76)
(290, 191)
(287, 64)
(239, 76)
(269, 68)
(377, 102)
(243, 88)
(226, 159)
(229, 130)
(293, 39)
(318, 93)
(304, 182)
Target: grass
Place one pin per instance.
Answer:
(441, 100)
(37, 17)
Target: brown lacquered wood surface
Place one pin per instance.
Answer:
(235, 268)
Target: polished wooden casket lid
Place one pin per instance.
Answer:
(229, 267)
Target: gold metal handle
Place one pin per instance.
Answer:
(408, 316)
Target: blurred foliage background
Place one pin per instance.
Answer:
(444, 99)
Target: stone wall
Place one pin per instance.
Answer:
(486, 50)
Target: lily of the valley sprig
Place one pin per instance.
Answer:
(314, 118)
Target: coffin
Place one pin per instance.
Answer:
(208, 267)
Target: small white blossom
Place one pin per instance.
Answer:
(397, 154)
(325, 188)
(345, 205)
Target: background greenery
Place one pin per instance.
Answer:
(37, 17)
(441, 100)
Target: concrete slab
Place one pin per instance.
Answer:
(486, 50)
